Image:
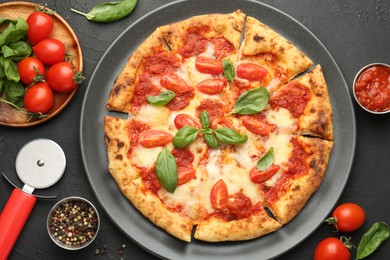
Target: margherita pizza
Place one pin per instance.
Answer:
(222, 136)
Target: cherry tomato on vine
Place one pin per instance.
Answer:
(31, 69)
(39, 98)
(50, 51)
(331, 248)
(347, 217)
(40, 26)
(62, 77)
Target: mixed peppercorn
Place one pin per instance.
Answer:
(74, 223)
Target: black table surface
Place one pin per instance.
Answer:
(356, 33)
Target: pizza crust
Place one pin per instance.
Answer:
(300, 189)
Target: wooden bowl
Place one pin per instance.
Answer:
(10, 116)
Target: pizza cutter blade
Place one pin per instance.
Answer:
(39, 164)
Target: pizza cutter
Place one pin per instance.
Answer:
(39, 164)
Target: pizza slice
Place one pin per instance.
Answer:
(301, 165)
(266, 58)
(302, 106)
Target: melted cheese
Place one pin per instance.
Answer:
(145, 157)
(283, 119)
(154, 116)
(282, 147)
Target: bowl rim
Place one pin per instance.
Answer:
(354, 84)
(66, 199)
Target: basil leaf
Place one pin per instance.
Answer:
(372, 239)
(14, 32)
(166, 170)
(204, 119)
(4, 20)
(211, 141)
(14, 92)
(266, 160)
(229, 136)
(228, 69)
(10, 69)
(252, 101)
(2, 83)
(17, 50)
(161, 99)
(185, 136)
(109, 11)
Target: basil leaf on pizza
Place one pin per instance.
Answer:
(252, 101)
(266, 160)
(166, 170)
(161, 99)
(211, 140)
(229, 136)
(228, 69)
(204, 119)
(185, 136)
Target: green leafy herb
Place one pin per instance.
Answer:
(2, 83)
(14, 91)
(266, 160)
(228, 69)
(14, 32)
(161, 99)
(166, 170)
(229, 136)
(210, 139)
(7, 20)
(109, 11)
(185, 136)
(10, 69)
(252, 101)
(372, 239)
(204, 119)
(16, 50)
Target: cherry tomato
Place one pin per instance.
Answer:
(251, 71)
(39, 98)
(50, 51)
(219, 122)
(40, 26)
(257, 125)
(262, 176)
(331, 249)
(173, 82)
(154, 138)
(182, 120)
(211, 86)
(347, 217)
(208, 65)
(30, 67)
(61, 77)
(185, 174)
(219, 195)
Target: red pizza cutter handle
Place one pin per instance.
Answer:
(12, 219)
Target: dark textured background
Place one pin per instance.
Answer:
(356, 33)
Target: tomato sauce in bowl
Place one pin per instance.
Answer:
(371, 88)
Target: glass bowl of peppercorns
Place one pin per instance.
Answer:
(73, 223)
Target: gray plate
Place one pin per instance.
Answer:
(156, 240)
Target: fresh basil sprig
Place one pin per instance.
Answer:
(109, 11)
(372, 239)
(14, 32)
(14, 91)
(16, 50)
(210, 139)
(185, 136)
(252, 101)
(266, 160)
(204, 119)
(166, 170)
(161, 99)
(228, 69)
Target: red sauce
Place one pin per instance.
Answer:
(372, 88)
(195, 43)
(183, 157)
(135, 128)
(144, 87)
(161, 63)
(293, 97)
(181, 100)
(149, 179)
(213, 108)
(297, 167)
(239, 206)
